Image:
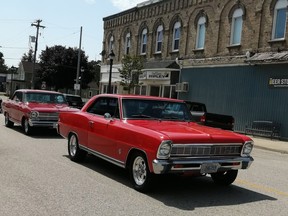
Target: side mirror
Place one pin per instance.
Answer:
(108, 116)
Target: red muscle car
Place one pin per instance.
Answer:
(34, 108)
(153, 135)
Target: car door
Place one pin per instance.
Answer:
(101, 130)
(15, 110)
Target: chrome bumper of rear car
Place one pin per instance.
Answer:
(197, 164)
(36, 123)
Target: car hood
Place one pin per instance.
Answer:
(49, 107)
(190, 132)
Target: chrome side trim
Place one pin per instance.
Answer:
(102, 156)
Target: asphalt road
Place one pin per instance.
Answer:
(37, 178)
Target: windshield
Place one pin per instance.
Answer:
(155, 109)
(44, 98)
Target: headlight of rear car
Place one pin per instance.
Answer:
(164, 149)
(247, 148)
(34, 114)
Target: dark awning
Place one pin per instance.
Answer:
(269, 57)
(160, 65)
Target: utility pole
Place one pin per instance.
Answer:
(37, 25)
(77, 87)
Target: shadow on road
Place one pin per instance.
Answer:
(182, 192)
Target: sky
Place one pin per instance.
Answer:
(62, 20)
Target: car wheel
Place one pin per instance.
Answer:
(27, 128)
(140, 175)
(224, 178)
(75, 153)
(8, 123)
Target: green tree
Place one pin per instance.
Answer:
(129, 73)
(28, 57)
(58, 67)
(92, 73)
(3, 67)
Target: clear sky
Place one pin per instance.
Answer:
(62, 20)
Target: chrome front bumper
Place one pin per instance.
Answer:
(190, 165)
(37, 123)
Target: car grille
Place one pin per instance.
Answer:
(205, 150)
(48, 116)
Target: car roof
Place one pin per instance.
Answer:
(123, 96)
(38, 91)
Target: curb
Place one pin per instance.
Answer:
(271, 149)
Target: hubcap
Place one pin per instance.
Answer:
(139, 170)
(73, 145)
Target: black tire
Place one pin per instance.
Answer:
(224, 178)
(8, 123)
(140, 176)
(26, 127)
(75, 153)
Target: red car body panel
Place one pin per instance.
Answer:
(115, 138)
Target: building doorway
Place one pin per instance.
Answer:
(155, 91)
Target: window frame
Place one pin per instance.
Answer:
(280, 6)
(159, 41)
(176, 36)
(236, 27)
(144, 39)
(201, 28)
(127, 43)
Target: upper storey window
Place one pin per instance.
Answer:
(111, 43)
(236, 27)
(201, 30)
(159, 39)
(127, 43)
(279, 21)
(176, 36)
(144, 41)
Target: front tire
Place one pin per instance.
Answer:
(8, 123)
(26, 127)
(75, 153)
(224, 178)
(140, 175)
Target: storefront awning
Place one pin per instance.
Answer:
(161, 65)
(268, 57)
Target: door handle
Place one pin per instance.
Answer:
(91, 124)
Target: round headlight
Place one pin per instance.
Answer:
(247, 148)
(164, 150)
(34, 114)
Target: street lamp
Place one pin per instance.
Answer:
(111, 58)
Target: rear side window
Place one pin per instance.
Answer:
(105, 105)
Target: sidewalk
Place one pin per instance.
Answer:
(272, 145)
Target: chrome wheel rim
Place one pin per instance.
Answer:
(73, 145)
(6, 119)
(26, 126)
(139, 170)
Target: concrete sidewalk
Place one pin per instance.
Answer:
(271, 145)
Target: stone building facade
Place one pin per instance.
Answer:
(222, 39)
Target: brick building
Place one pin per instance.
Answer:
(232, 54)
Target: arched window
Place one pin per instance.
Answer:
(236, 27)
(201, 30)
(279, 21)
(111, 43)
(176, 36)
(143, 47)
(159, 39)
(127, 43)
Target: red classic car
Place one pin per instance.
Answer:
(34, 108)
(153, 135)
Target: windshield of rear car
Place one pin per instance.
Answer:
(37, 97)
(155, 109)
